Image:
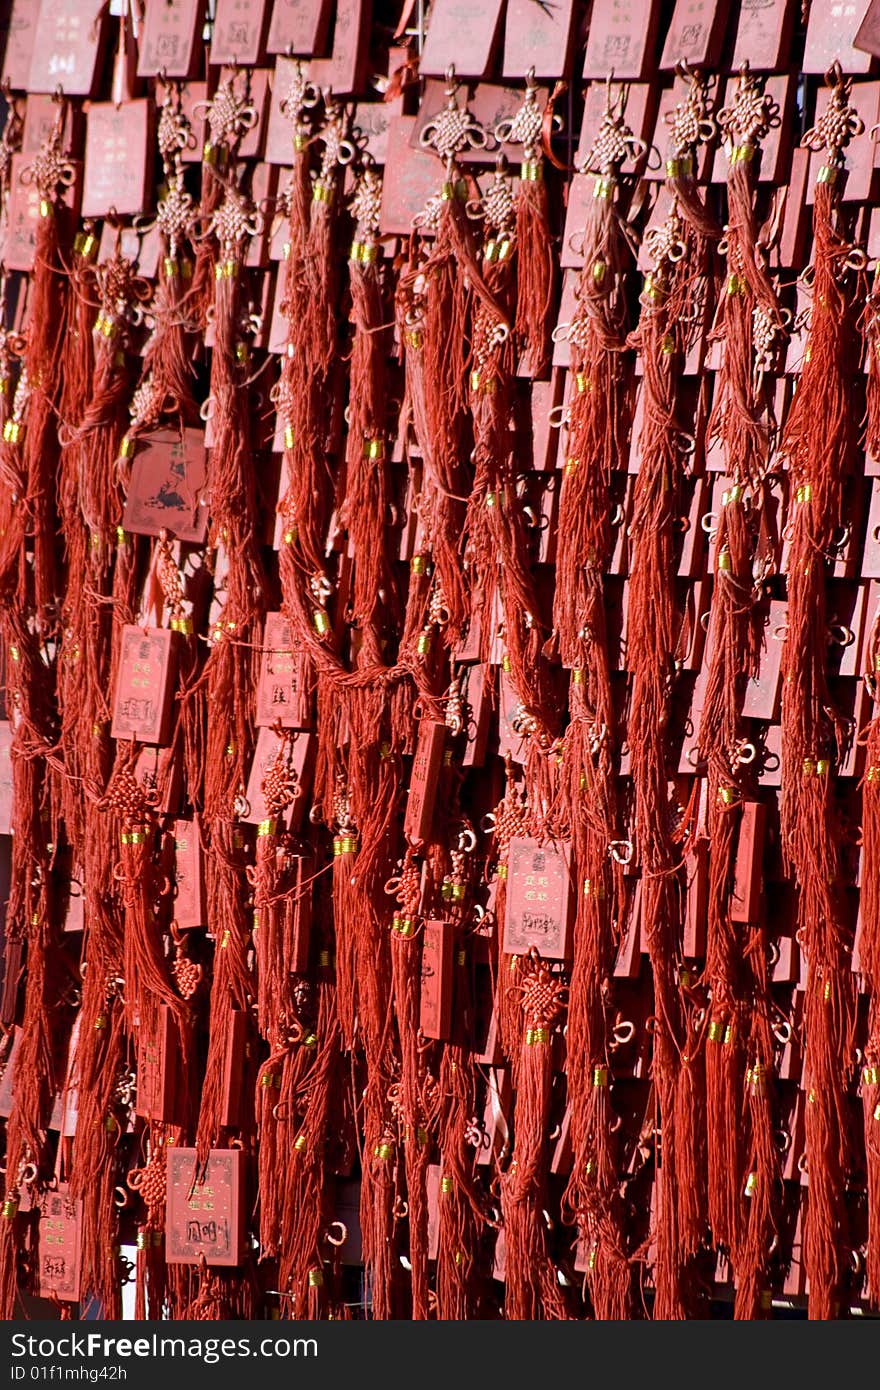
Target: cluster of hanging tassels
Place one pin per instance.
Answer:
(420, 1101)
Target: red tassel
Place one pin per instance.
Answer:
(13, 400)
(532, 1288)
(149, 1183)
(231, 668)
(510, 820)
(536, 265)
(27, 587)
(417, 1105)
(761, 1184)
(437, 295)
(229, 115)
(168, 354)
(871, 323)
(652, 641)
(146, 974)
(749, 325)
(817, 443)
(305, 388)
(600, 414)
(366, 508)
(869, 952)
(496, 540)
(601, 409)
(375, 787)
(378, 1185)
(78, 620)
(98, 1060)
(593, 1192)
(308, 1197)
(459, 1214)
(274, 963)
(288, 390)
(99, 569)
(869, 964)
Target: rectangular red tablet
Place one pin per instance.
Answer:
(59, 1244)
(539, 899)
(205, 1210)
(435, 1000)
(144, 687)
